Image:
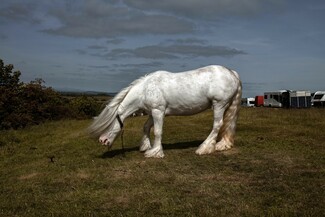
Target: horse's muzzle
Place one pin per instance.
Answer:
(104, 141)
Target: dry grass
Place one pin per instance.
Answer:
(275, 169)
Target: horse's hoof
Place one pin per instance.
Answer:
(154, 153)
(205, 149)
(145, 146)
(222, 146)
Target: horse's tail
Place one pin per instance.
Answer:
(227, 131)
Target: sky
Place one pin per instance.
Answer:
(103, 45)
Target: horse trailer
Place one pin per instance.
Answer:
(318, 99)
(288, 99)
(300, 99)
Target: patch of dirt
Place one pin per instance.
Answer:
(28, 176)
(82, 175)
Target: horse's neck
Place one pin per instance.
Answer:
(129, 105)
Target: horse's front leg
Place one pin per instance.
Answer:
(158, 120)
(145, 142)
(208, 146)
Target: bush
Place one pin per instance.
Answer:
(23, 104)
(85, 107)
(43, 103)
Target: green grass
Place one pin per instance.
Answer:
(276, 168)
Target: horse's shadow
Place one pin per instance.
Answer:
(169, 146)
(182, 145)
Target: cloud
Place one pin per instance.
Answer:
(206, 9)
(96, 47)
(153, 64)
(115, 18)
(166, 50)
(135, 69)
(185, 41)
(174, 51)
(99, 67)
(99, 19)
(131, 71)
(115, 41)
(138, 25)
(19, 12)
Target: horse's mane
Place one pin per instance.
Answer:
(103, 122)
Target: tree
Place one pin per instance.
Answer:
(23, 104)
(8, 78)
(10, 86)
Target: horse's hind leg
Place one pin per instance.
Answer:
(208, 146)
(227, 132)
(145, 142)
(226, 135)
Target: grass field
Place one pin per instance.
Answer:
(276, 168)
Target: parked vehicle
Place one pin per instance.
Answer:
(277, 99)
(300, 99)
(288, 99)
(259, 101)
(248, 102)
(318, 99)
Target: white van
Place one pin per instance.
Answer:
(248, 102)
(318, 100)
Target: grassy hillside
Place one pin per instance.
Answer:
(275, 169)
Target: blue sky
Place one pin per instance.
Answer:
(103, 45)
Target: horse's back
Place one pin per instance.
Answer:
(211, 81)
(189, 92)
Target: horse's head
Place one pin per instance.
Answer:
(108, 137)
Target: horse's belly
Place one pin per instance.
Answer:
(187, 108)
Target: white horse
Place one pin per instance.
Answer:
(186, 93)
